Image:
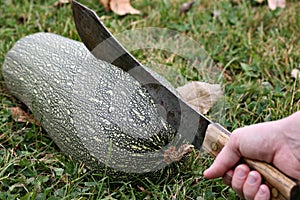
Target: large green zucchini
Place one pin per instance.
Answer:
(94, 112)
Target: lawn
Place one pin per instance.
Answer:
(255, 48)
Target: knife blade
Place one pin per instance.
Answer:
(178, 114)
(202, 131)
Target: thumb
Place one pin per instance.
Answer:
(226, 160)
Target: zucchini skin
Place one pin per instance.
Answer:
(94, 112)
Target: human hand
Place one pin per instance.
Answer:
(276, 142)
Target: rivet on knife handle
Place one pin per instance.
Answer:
(280, 185)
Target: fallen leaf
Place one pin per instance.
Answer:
(61, 2)
(200, 95)
(273, 4)
(120, 7)
(172, 154)
(105, 4)
(186, 7)
(295, 73)
(20, 115)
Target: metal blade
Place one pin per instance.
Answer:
(189, 123)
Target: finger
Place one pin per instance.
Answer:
(252, 185)
(239, 178)
(227, 178)
(263, 193)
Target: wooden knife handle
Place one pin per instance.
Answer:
(281, 186)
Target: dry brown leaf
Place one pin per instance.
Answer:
(201, 96)
(120, 7)
(61, 2)
(273, 4)
(172, 154)
(20, 115)
(105, 4)
(123, 7)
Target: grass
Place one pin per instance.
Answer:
(255, 48)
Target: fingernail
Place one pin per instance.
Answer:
(261, 191)
(251, 179)
(241, 173)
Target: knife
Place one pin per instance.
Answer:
(203, 133)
